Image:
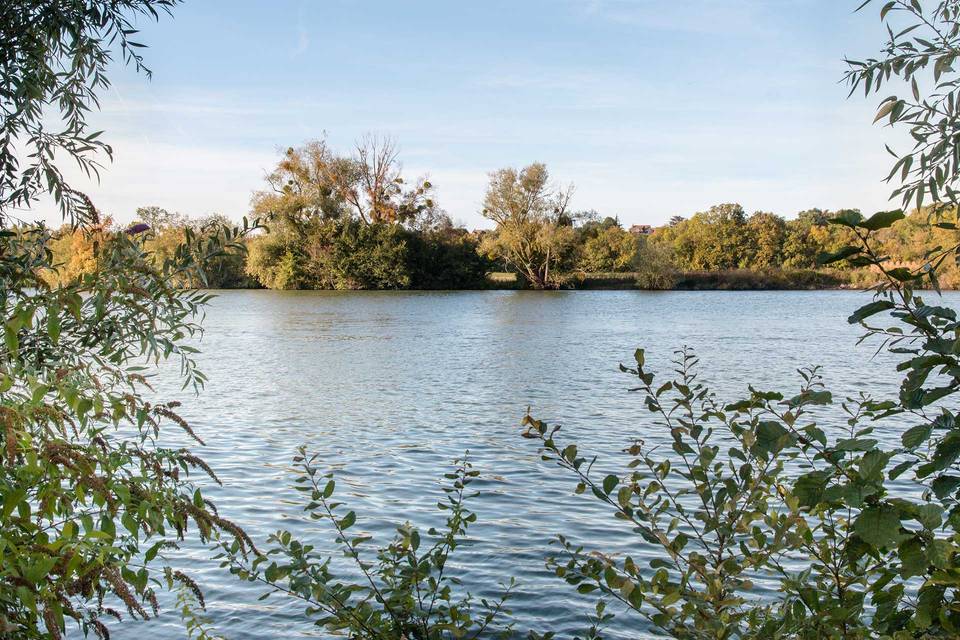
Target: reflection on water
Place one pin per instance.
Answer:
(390, 387)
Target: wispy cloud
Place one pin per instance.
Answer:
(192, 179)
(691, 16)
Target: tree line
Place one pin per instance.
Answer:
(352, 221)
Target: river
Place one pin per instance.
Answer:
(390, 387)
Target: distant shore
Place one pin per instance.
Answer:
(727, 280)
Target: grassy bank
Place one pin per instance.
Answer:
(774, 279)
(727, 280)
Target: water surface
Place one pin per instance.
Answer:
(390, 387)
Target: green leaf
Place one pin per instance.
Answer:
(872, 464)
(836, 256)
(847, 218)
(879, 526)
(915, 436)
(930, 516)
(772, 437)
(943, 486)
(609, 483)
(11, 339)
(810, 397)
(855, 444)
(913, 561)
(852, 494)
(53, 324)
(870, 309)
(809, 487)
(881, 220)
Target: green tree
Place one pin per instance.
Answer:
(712, 240)
(533, 233)
(653, 265)
(766, 233)
(607, 247)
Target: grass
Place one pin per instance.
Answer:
(731, 279)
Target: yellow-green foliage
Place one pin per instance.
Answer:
(610, 249)
(653, 265)
(908, 241)
(73, 252)
(723, 237)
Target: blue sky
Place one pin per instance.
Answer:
(650, 107)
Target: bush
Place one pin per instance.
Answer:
(350, 254)
(276, 260)
(746, 279)
(447, 259)
(404, 590)
(90, 498)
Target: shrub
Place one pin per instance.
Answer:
(90, 499)
(447, 259)
(404, 590)
(274, 259)
(350, 254)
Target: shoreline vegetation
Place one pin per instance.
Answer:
(726, 280)
(352, 221)
(720, 249)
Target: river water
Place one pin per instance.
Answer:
(390, 387)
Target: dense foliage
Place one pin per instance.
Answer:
(349, 222)
(90, 496)
(351, 254)
(720, 248)
(74, 250)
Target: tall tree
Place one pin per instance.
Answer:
(532, 233)
(766, 233)
(313, 183)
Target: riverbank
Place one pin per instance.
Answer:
(727, 280)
